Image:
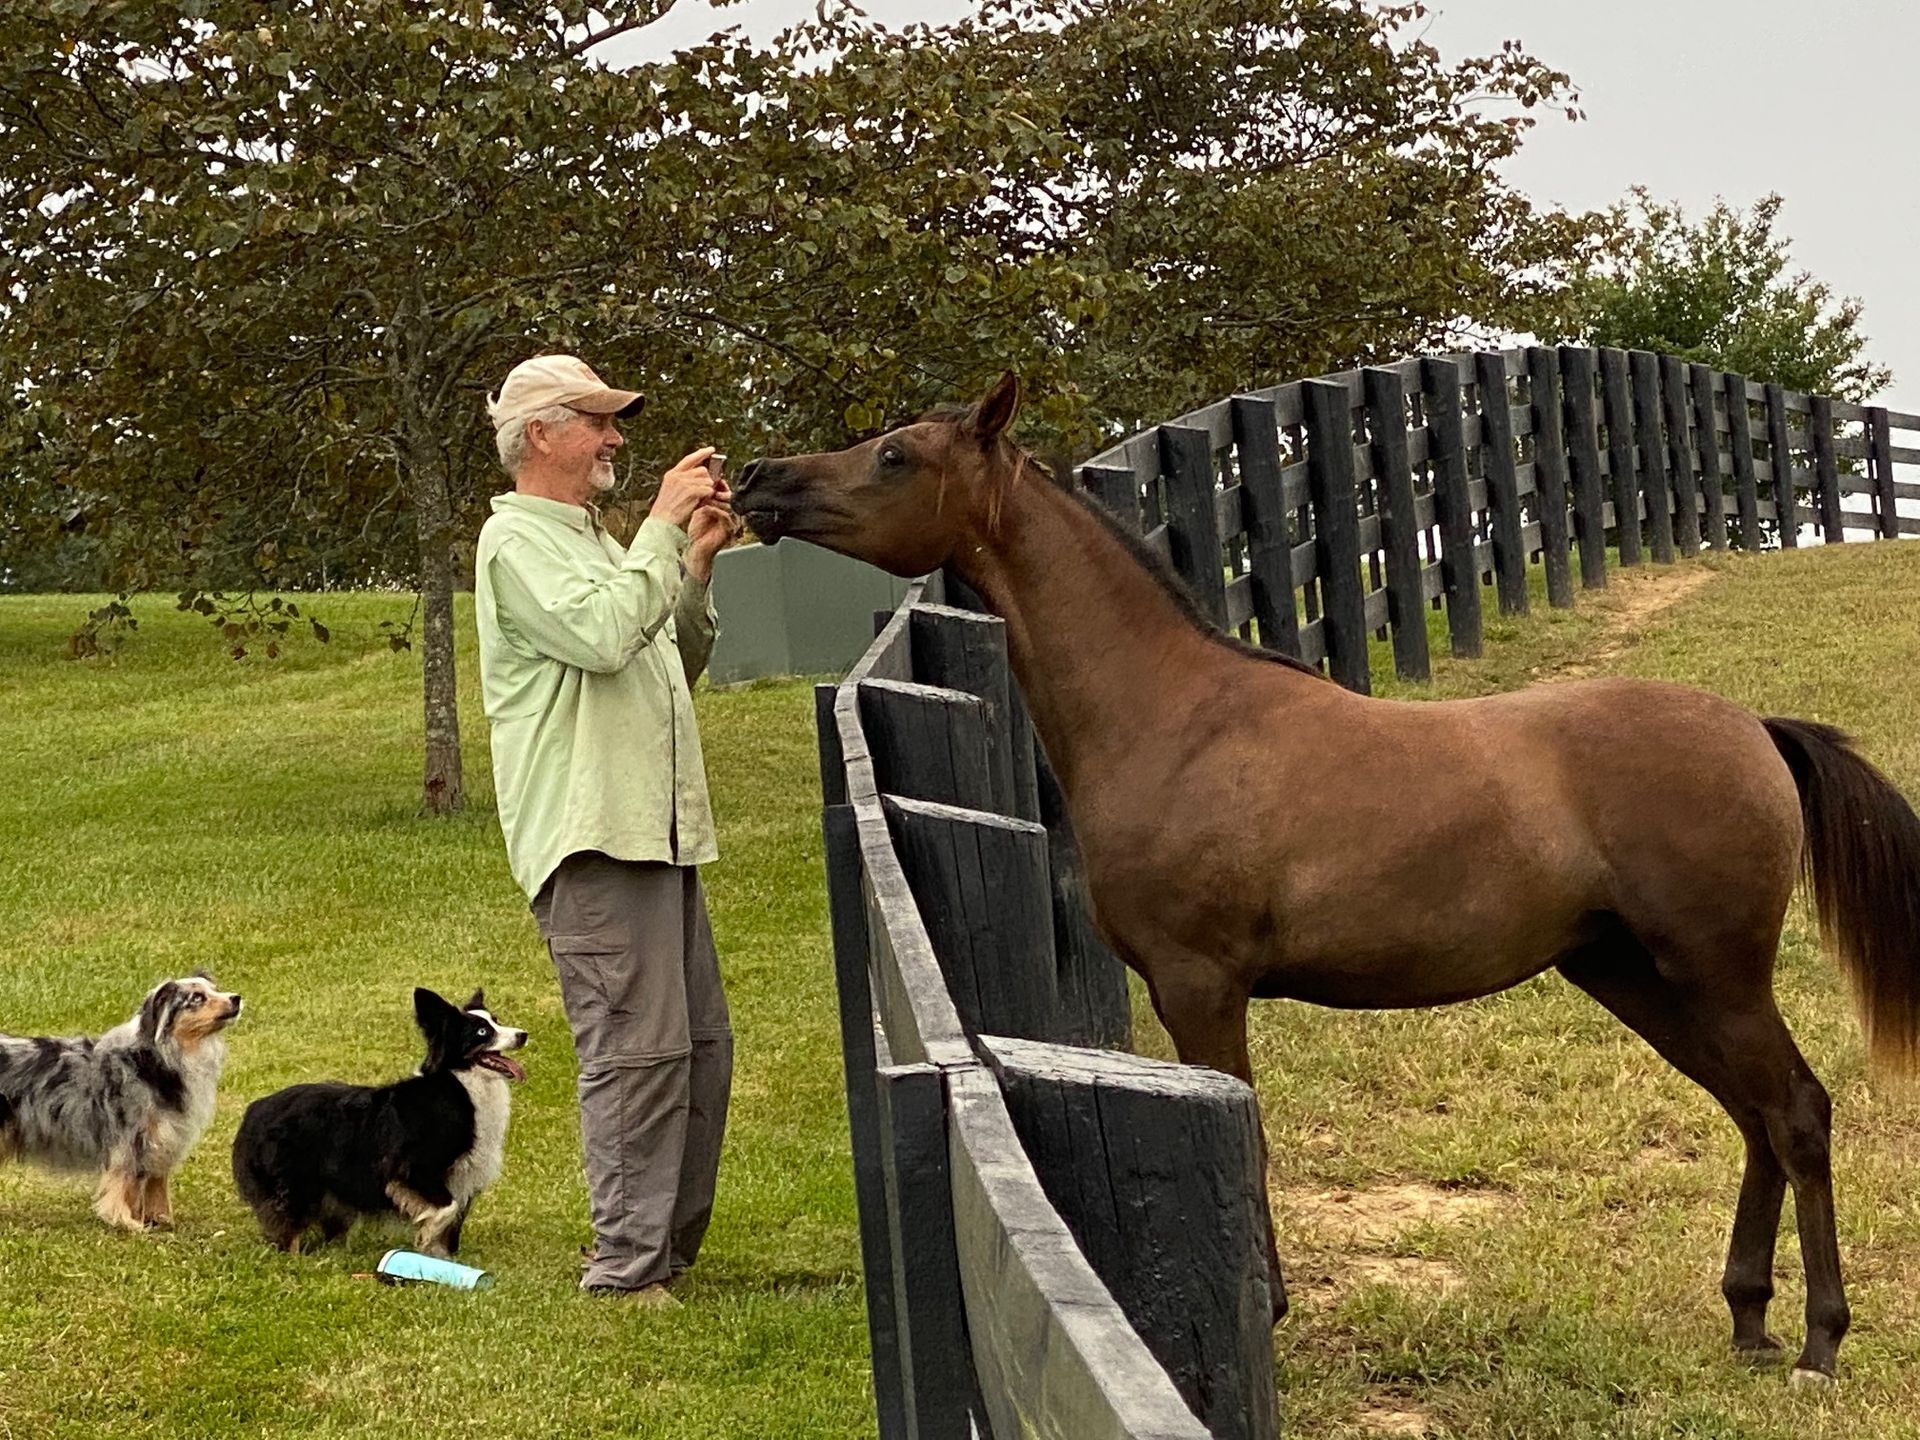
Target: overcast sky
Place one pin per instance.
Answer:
(1692, 98)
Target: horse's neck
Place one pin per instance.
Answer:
(1095, 641)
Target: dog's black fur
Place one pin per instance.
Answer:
(323, 1155)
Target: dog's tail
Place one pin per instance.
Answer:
(1861, 856)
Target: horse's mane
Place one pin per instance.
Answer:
(1149, 559)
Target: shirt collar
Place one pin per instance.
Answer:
(584, 518)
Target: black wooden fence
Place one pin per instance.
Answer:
(1313, 515)
(1061, 1239)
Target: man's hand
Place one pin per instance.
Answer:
(685, 488)
(712, 528)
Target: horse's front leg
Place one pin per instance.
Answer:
(1205, 1012)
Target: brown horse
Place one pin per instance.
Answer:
(1252, 830)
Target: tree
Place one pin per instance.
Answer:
(262, 260)
(1720, 292)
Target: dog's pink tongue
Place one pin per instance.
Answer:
(515, 1070)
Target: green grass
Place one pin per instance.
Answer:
(168, 808)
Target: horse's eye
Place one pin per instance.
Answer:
(891, 455)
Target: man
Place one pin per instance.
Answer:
(588, 653)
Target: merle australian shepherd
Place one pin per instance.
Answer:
(129, 1105)
(323, 1155)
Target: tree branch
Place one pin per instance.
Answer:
(597, 37)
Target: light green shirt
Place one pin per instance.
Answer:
(588, 653)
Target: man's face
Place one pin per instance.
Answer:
(582, 451)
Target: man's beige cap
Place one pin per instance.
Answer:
(558, 380)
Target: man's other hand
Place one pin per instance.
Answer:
(712, 528)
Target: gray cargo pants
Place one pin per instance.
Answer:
(641, 986)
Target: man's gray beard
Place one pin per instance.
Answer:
(602, 476)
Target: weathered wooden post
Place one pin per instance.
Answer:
(1644, 366)
(1740, 446)
(1156, 1169)
(1453, 500)
(1503, 484)
(1550, 472)
(1399, 527)
(1617, 400)
(1336, 528)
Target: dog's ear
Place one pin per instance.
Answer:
(204, 975)
(478, 1002)
(430, 1010)
(155, 1009)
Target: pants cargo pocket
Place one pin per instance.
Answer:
(589, 967)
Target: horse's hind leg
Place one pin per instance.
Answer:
(1737, 1048)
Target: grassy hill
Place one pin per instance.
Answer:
(1504, 1218)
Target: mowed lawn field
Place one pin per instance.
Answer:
(1500, 1219)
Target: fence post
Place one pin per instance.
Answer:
(965, 650)
(1781, 464)
(1583, 463)
(1116, 489)
(1399, 528)
(847, 908)
(1256, 439)
(981, 884)
(1503, 485)
(1156, 1170)
(1686, 493)
(939, 1393)
(1193, 527)
(1740, 445)
(1713, 500)
(1447, 455)
(1645, 367)
(1826, 470)
(1096, 1008)
(928, 743)
(1336, 528)
(1880, 461)
(1550, 472)
(1618, 400)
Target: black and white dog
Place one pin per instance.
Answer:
(323, 1155)
(129, 1105)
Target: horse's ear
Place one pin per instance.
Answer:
(995, 412)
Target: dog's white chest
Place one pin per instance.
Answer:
(480, 1166)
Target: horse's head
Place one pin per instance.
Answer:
(905, 500)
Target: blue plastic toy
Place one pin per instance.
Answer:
(397, 1266)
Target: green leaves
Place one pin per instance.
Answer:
(1718, 291)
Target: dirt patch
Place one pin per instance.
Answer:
(1393, 1417)
(1333, 1242)
(1640, 600)
(1375, 1218)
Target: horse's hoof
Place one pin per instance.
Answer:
(1810, 1379)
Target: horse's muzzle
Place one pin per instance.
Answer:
(762, 519)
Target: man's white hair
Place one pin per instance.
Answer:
(511, 438)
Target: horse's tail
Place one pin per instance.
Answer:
(1861, 857)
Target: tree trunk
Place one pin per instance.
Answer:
(442, 791)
